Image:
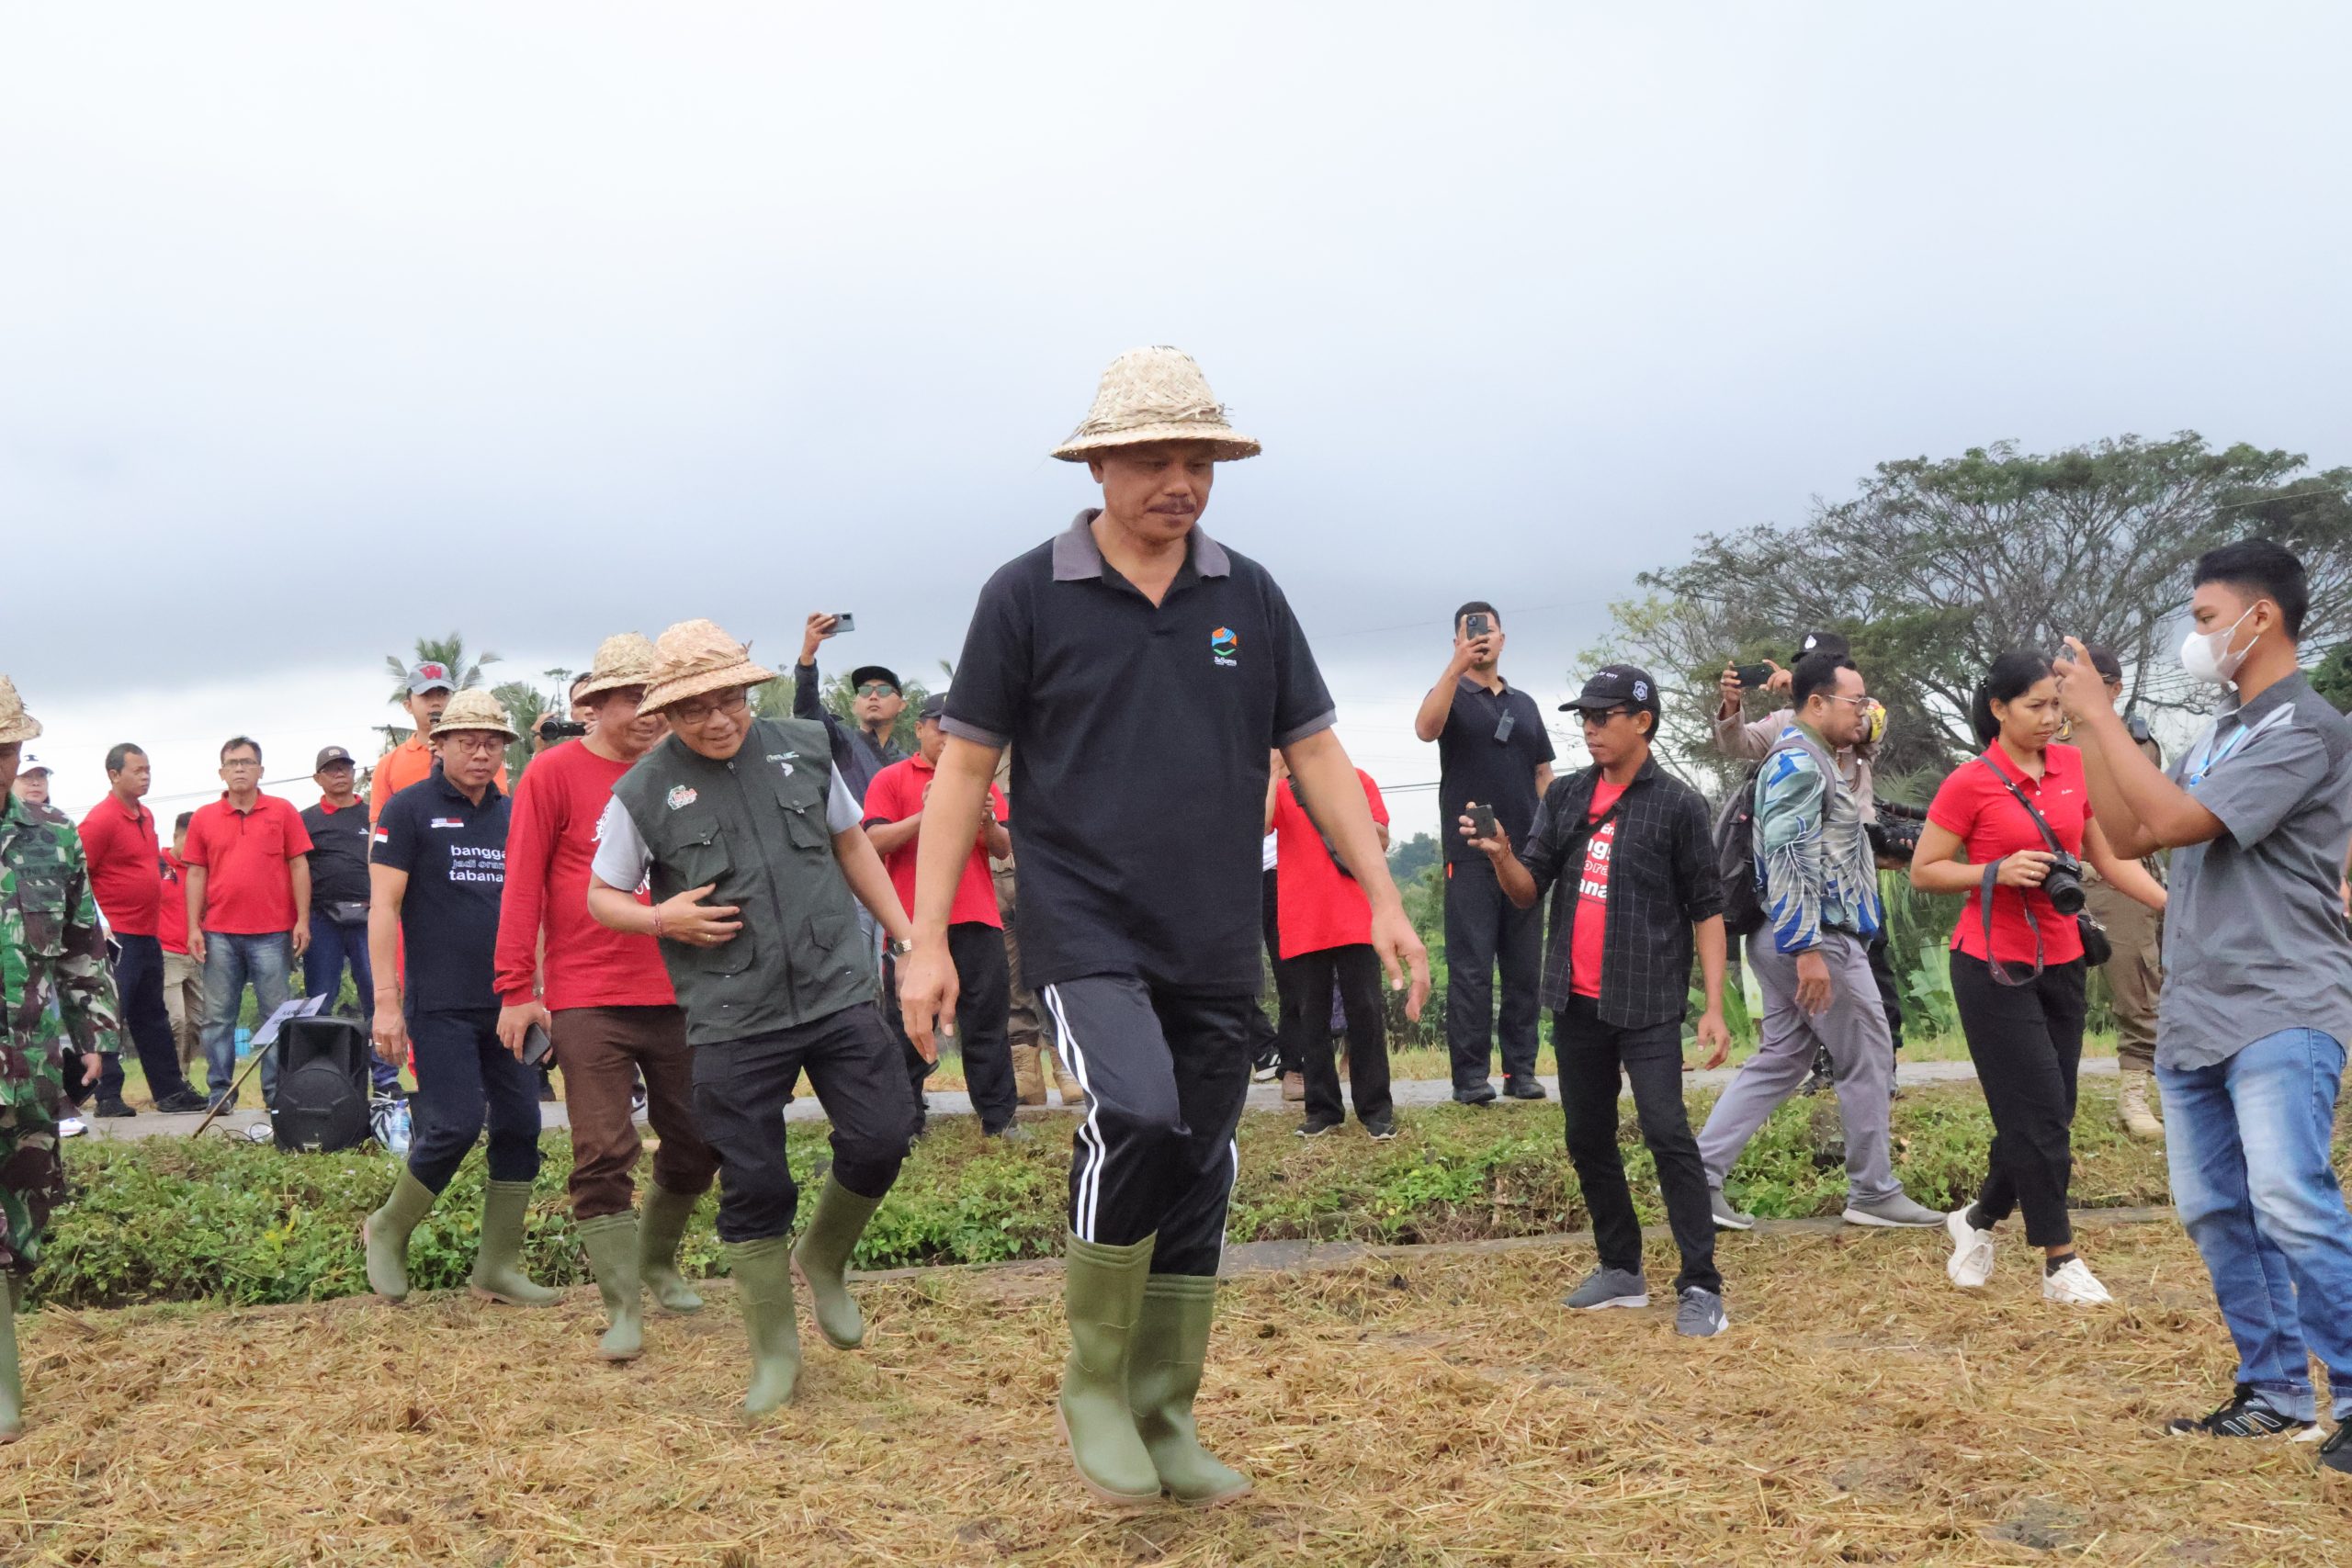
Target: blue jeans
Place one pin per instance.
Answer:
(231, 964)
(2248, 1143)
(332, 947)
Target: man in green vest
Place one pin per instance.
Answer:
(756, 859)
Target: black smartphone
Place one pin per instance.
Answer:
(1755, 675)
(844, 621)
(1483, 825)
(1476, 625)
(536, 1045)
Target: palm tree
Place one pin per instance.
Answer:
(524, 704)
(449, 650)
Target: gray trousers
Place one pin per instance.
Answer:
(1861, 1056)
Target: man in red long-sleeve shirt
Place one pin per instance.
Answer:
(606, 1001)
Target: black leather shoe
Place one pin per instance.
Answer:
(114, 1107)
(1523, 1089)
(180, 1104)
(1483, 1094)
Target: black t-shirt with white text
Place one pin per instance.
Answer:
(455, 854)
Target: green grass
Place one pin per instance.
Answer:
(219, 1219)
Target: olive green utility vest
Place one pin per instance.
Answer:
(754, 826)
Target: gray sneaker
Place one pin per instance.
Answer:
(1898, 1212)
(1609, 1288)
(1727, 1217)
(1700, 1314)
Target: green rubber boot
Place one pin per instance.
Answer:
(763, 1272)
(611, 1241)
(1172, 1341)
(498, 1269)
(1103, 1292)
(384, 1235)
(823, 1254)
(660, 1225)
(12, 1384)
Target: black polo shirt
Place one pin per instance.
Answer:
(1139, 738)
(455, 854)
(1472, 765)
(338, 853)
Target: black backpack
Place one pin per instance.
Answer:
(1735, 857)
(321, 1085)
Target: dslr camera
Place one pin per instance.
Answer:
(1895, 834)
(2065, 884)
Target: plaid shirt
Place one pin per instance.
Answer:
(1661, 883)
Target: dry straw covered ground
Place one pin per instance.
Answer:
(1421, 1408)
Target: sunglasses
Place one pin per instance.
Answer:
(878, 689)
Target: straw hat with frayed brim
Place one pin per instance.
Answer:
(15, 723)
(695, 657)
(625, 659)
(1155, 394)
(474, 709)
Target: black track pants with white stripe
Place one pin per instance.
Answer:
(1166, 1076)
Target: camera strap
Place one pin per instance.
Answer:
(1992, 875)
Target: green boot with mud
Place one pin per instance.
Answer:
(498, 1269)
(611, 1243)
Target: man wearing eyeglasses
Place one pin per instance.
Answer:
(1811, 956)
(247, 866)
(1492, 751)
(862, 751)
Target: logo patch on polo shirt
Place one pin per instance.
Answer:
(447, 822)
(1223, 643)
(681, 797)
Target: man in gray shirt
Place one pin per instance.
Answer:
(2258, 993)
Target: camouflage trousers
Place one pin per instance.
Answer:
(32, 1176)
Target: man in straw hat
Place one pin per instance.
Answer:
(606, 1001)
(1133, 635)
(436, 870)
(750, 842)
(53, 985)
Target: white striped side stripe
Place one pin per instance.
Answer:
(1092, 1152)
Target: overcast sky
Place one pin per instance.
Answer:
(325, 327)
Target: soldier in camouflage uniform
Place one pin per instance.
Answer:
(50, 951)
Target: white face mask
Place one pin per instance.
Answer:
(2206, 656)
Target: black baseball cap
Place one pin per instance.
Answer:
(329, 755)
(864, 672)
(1616, 686)
(933, 706)
(1831, 643)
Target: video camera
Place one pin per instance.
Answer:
(1895, 834)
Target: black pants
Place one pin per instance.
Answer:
(1306, 997)
(465, 1078)
(983, 1025)
(1486, 931)
(139, 981)
(2027, 1042)
(1591, 1054)
(742, 1086)
(1890, 995)
(1166, 1074)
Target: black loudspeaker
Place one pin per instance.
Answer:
(321, 1085)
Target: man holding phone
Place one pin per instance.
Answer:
(862, 751)
(1493, 753)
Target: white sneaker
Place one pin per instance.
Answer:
(71, 1126)
(2074, 1285)
(1972, 1252)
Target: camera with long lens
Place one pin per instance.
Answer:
(2065, 884)
(1895, 834)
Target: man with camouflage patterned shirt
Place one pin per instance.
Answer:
(50, 950)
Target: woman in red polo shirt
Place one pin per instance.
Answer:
(2016, 963)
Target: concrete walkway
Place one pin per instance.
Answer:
(1408, 1094)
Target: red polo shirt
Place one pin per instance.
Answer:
(1989, 823)
(171, 921)
(895, 794)
(1314, 905)
(126, 870)
(247, 889)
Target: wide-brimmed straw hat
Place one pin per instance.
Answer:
(625, 659)
(1155, 394)
(15, 723)
(474, 709)
(695, 657)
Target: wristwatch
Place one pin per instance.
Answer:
(901, 949)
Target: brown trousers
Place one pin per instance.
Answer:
(184, 999)
(2134, 976)
(601, 1051)
(1026, 1022)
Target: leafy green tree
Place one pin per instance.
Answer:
(1408, 859)
(775, 701)
(1938, 565)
